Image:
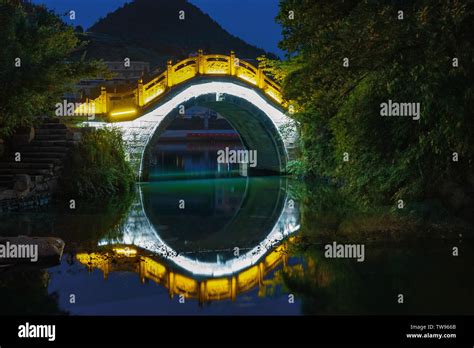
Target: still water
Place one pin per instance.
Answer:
(233, 245)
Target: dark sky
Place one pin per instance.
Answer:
(251, 20)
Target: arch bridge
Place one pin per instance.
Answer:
(240, 92)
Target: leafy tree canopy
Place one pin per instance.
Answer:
(35, 69)
(399, 50)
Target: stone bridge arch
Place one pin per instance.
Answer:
(144, 110)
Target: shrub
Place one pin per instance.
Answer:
(97, 167)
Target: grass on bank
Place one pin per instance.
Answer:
(97, 168)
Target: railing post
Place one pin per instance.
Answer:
(169, 73)
(233, 288)
(261, 273)
(142, 271)
(103, 99)
(260, 77)
(200, 63)
(202, 292)
(171, 283)
(140, 99)
(232, 65)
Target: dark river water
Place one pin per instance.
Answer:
(215, 242)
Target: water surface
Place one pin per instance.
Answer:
(227, 245)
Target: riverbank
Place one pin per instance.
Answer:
(55, 161)
(32, 162)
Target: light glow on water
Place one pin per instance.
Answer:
(140, 232)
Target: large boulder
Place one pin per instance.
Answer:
(22, 185)
(7, 194)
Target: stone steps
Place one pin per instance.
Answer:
(48, 137)
(43, 156)
(49, 120)
(51, 125)
(54, 161)
(26, 165)
(30, 172)
(27, 155)
(47, 131)
(43, 149)
(53, 142)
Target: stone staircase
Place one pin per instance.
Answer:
(41, 160)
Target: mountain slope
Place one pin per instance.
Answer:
(151, 30)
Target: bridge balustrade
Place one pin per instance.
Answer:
(131, 102)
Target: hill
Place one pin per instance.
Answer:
(151, 30)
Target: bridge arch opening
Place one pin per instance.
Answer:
(189, 146)
(255, 131)
(255, 117)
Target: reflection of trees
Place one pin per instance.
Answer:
(82, 227)
(325, 286)
(90, 223)
(430, 283)
(344, 286)
(25, 292)
(127, 212)
(331, 286)
(401, 256)
(330, 213)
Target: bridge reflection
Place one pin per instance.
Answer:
(266, 218)
(129, 259)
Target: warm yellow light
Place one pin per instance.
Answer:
(209, 289)
(128, 112)
(125, 251)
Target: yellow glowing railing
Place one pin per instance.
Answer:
(211, 289)
(129, 103)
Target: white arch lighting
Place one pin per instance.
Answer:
(277, 117)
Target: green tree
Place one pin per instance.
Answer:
(97, 168)
(404, 56)
(35, 64)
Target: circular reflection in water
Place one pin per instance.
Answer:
(212, 227)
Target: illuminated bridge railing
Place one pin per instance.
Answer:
(130, 103)
(178, 283)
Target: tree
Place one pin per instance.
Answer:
(354, 55)
(35, 64)
(98, 166)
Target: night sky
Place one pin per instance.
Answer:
(250, 20)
